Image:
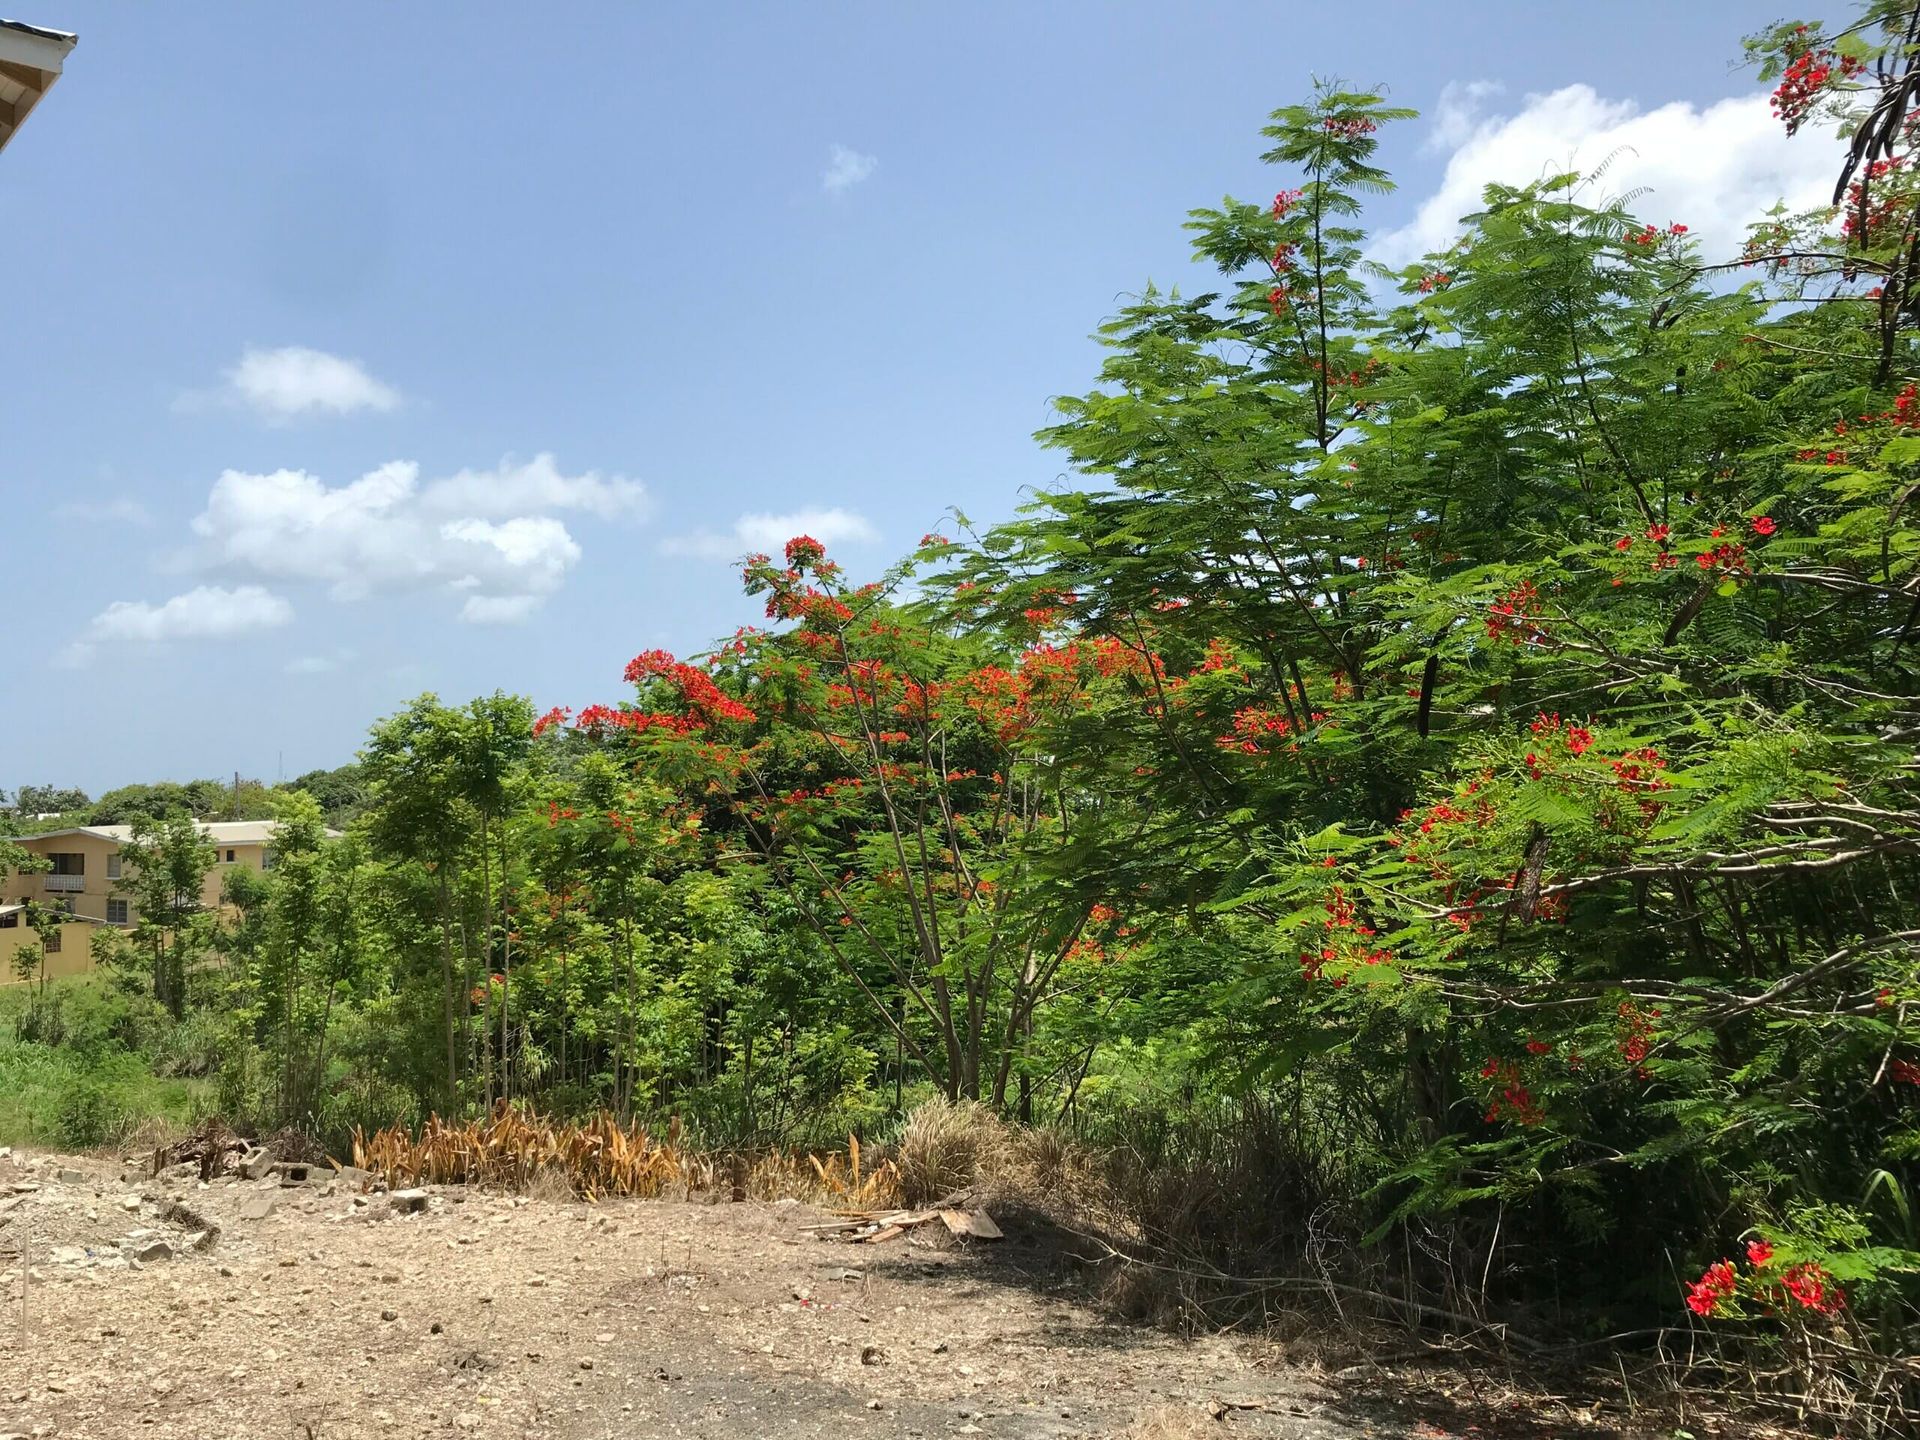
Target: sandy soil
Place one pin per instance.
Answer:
(322, 1314)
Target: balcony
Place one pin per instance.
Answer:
(64, 884)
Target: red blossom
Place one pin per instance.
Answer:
(1717, 1284)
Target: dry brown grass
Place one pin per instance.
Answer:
(949, 1147)
(517, 1150)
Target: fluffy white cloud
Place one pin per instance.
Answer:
(511, 489)
(293, 380)
(766, 533)
(846, 168)
(207, 612)
(1714, 170)
(477, 533)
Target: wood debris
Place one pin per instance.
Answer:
(875, 1227)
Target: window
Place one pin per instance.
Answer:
(50, 942)
(266, 859)
(229, 857)
(117, 913)
(10, 920)
(113, 866)
(66, 863)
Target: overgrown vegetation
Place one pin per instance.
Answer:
(1433, 812)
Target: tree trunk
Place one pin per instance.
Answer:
(446, 989)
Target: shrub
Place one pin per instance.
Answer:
(86, 1116)
(946, 1147)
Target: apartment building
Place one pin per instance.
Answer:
(83, 880)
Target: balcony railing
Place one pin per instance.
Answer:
(64, 884)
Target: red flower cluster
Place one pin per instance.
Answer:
(1254, 730)
(1888, 208)
(1814, 1288)
(1285, 201)
(1438, 280)
(1514, 1100)
(1351, 127)
(1809, 1284)
(1577, 739)
(705, 699)
(558, 715)
(1807, 74)
(1729, 558)
(1652, 235)
(1904, 1072)
(1636, 1034)
(1515, 616)
(804, 550)
(1279, 299)
(1718, 1284)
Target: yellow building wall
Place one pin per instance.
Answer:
(91, 890)
(88, 891)
(74, 957)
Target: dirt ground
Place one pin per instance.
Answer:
(318, 1313)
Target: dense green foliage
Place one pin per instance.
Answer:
(1465, 716)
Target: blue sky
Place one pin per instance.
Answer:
(716, 261)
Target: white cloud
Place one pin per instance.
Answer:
(294, 380)
(846, 168)
(121, 510)
(1454, 117)
(207, 612)
(511, 489)
(477, 533)
(1714, 170)
(767, 533)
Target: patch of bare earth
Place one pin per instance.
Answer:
(306, 1310)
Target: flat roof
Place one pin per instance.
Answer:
(31, 59)
(220, 832)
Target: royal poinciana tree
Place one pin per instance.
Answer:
(1476, 701)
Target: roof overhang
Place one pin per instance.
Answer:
(30, 61)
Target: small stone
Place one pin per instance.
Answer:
(161, 1385)
(585, 1364)
(536, 1281)
(129, 1202)
(605, 1337)
(408, 1202)
(258, 1206)
(435, 1328)
(871, 1355)
(389, 1314)
(71, 1177)
(873, 1404)
(148, 1251)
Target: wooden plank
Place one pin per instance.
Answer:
(956, 1221)
(887, 1234)
(981, 1224)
